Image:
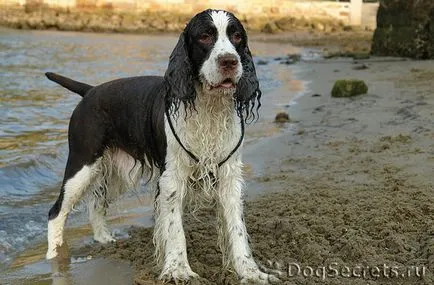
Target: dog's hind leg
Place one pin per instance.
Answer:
(78, 177)
(120, 172)
(82, 168)
(97, 208)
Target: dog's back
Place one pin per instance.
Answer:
(119, 114)
(128, 110)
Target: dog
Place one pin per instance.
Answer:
(183, 132)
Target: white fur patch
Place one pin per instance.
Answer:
(97, 213)
(169, 236)
(102, 183)
(210, 132)
(73, 190)
(233, 237)
(210, 70)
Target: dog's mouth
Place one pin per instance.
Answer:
(228, 83)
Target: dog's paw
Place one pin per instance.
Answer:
(57, 252)
(51, 253)
(178, 272)
(104, 237)
(275, 268)
(260, 278)
(256, 276)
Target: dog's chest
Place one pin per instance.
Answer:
(210, 132)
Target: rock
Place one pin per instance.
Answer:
(347, 28)
(360, 67)
(355, 56)
(360, 56)
(270, 28)
(294, 57)
(316, 95)
(320, 27)
(281, 117)
(349, 88)
(286, 24)
(318, 109)
(301, 132)
(291, 59)
(405, 29)
(262, 62)
(287, 62)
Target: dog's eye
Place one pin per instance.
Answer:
(205, 38)
(236, 37)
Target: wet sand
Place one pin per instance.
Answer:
(347, 183)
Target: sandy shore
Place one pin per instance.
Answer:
(351, 188)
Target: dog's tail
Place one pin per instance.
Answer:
(72, 85)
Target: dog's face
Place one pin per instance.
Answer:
(212, 53)
(216, 40)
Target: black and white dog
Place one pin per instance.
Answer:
(183, 131)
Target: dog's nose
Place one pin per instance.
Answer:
(228, 61)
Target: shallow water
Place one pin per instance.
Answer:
(34, 112)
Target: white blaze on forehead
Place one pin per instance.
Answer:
(221, 22)
(210, 70)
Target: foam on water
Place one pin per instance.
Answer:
(20, 229)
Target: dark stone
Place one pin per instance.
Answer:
(290, 59)
(287, 62)
(282, 117)
(270, 28)
(318, 109)
(405, 28)
(349, 88)
(294, 57)
(360, 67)
(360, 56)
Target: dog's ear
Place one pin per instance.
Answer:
(248, 91)
(179, 74)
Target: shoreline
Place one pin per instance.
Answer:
(155, 22)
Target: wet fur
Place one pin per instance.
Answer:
(119, 133)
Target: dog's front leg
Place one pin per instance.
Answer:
(169, 237)
(233, 237)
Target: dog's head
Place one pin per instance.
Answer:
(212, 55)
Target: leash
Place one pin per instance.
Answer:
(169, 120)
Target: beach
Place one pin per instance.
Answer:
(341, 194)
